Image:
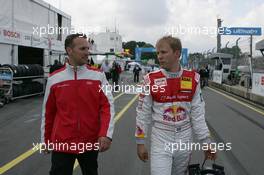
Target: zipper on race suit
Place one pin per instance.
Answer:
(75, 78)
(75, 73)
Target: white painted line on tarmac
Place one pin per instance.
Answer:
(240, 102)
(31, 120)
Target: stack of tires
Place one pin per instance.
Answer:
(24, 74)
(25, 70)
(27, 88)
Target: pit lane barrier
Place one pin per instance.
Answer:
(239, 91)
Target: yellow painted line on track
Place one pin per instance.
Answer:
(121, 113)
(75, 164)
(117, 117)
(17, 160)
(119, 95)
(28, 153)
(240, 102)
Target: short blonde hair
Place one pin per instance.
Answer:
(174, 42)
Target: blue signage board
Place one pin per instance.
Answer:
(184, 59)
(239, 31)
(139, 50)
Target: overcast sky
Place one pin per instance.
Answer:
(147, 20)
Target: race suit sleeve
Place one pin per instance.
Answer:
(144, 113)
(107, 111)
(48, 113)
(198, 116)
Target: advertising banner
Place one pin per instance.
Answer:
(217, 76)
(258, 84)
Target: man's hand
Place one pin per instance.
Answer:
(142, 152)
(43, 149)
(104, 143)
(46, 151)
(209, 154)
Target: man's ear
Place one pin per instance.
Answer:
(177, 53)
(69, 50)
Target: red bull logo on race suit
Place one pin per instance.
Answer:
(174, 114)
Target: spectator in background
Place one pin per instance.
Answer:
(92, 45)
(91, 61)
(57, 65)
(115, 71)
(202, 73)
(136, 71)
(207, 74)
(152, 68)
(106, 69)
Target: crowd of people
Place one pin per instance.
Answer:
(112, 72)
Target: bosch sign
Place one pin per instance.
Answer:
(11, 34)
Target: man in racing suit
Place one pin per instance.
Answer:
(174, 107)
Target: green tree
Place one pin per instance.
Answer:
(141, 43)
(131, 45)
(195, 59)
(235, 51)
(148, 55)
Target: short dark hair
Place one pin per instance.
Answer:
(69, 39)
(175, 43)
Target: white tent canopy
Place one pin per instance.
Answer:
(134, 63)
(260, 45)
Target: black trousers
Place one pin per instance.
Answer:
(62, 163)
(136, 77)
(108, 75)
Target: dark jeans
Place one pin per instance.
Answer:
(108, 75)
(136, 77)
(115, 82)
(62, 163)
(202, 82)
